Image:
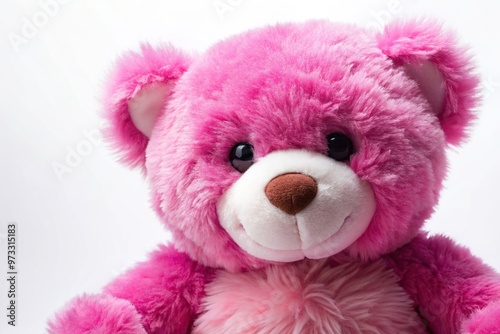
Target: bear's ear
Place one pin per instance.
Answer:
(137, 92)
(443, 69)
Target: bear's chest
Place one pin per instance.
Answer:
(309, 297)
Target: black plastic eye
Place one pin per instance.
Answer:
(241, 157)
(340, 146)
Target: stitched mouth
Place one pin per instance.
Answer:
(320, 247)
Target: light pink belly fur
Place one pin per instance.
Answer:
(308, 297)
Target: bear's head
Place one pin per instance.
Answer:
(296, 140)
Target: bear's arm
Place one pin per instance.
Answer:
(160, 295)
(455, 292)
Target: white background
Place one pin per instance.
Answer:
(78, 230)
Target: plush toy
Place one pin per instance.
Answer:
(295, 166)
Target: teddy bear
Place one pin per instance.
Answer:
(295, 166)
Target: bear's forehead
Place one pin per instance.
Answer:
(260, 62)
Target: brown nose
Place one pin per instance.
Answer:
(291, 192)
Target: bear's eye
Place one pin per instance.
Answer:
(340, 146)
(241, 157)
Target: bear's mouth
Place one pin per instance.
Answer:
(319, 250)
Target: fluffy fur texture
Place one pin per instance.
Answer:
(98, 314)
(309, 297)
(287, 87)
(425, 41)
(166, 290)
(135, 71)
(448, 284)
(485, 321)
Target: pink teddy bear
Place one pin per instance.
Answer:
(295, 166)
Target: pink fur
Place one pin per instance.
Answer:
(420, 40)
(133, 71)
(97, 314)
(446, 281)
(485, 321)
(166, 290)
(309, 297)
(287, 87)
